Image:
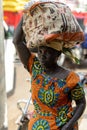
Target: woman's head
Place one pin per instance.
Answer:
(48, 56)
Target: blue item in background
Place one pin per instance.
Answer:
(84, 44)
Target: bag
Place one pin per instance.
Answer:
(52, 24)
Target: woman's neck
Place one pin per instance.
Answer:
(57, 72)
(51, 69)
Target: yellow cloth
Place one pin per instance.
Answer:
(14, 5)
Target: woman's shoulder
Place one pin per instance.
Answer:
(72, 79)
(31, 62)
(67, 74)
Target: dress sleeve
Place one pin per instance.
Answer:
(76, 87)
(78, 92)
(30, 63)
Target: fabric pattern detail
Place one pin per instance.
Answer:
(66, 90)
(36, 106)
(48, 97)
(37, 69)
(62, 117)
(41, 125)
(61, 83)
(45, 113)
(78, 92)
(46, 80)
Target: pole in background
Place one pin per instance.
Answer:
(3, 97)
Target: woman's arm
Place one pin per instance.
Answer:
(20, 45)
(80, 107)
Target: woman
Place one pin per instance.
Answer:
(53, 88)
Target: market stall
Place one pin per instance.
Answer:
(13, 11)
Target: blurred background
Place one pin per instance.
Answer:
(16, 76)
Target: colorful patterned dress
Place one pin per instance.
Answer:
(52, 97)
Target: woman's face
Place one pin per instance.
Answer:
(47, 56)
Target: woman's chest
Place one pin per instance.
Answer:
(49, 90)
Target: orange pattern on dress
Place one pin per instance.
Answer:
(51, 97)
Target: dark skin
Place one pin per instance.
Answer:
(48, 59)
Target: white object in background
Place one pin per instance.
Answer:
(9, 65)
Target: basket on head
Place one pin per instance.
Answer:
(50, 23)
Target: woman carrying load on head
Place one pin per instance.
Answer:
(53, 87)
